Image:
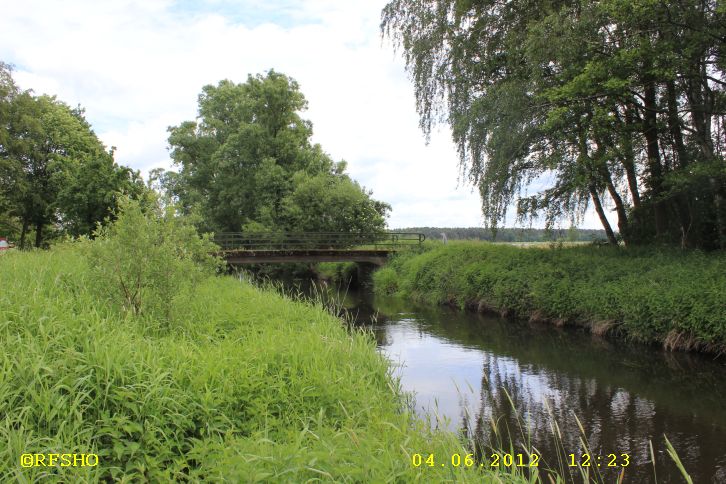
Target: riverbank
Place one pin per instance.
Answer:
(673, 298)
(241, 384)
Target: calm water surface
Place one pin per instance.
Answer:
(465, 368)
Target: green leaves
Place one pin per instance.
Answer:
(248, 163)
(332, 203)
(55, 174)
(246, 386)
(146, 259)
(579, 102)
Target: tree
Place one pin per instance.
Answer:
(55, 174)
(90, 190)
(325, 203)
(8, 168)
(247, 163)
(614, 101)
(41, 137)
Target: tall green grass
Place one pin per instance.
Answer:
(652, 295)
(242, 385)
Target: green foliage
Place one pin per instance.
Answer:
(90, 190)
(248, 164)
(342, 273)
(325, 203)
(558, 105)
(55, 174)
(385, 281)
(145, 259)
(247, 387)
(670, 297)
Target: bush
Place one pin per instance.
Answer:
(146, 258)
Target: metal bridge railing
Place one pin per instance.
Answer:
(316, 240)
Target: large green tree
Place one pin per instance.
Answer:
(247, 163)
(90, 188)
(55, 174)
(583, 103)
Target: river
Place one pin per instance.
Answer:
(466, 370)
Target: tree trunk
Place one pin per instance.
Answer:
(604, 172)
(594, 167)
(24, 233)
(701, 106)
(674, 125)
(628, 160)
(619, 208)
(601, 213)
(700, 101)
(655, 169)
(681, 201)
(38, 234)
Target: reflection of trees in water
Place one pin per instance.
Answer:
(525, 404)
(623, 395)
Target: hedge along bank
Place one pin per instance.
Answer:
(674, 298)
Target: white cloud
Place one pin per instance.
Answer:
(137, 66)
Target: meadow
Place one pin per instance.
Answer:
(653, 295)
(238, 384)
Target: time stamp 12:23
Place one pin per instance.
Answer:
(519, 460)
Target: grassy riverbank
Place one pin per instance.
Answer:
(674, 298)
(240, 384)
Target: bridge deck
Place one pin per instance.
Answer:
(260, 248)
(240, 257)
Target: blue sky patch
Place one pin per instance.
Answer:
(250, 13)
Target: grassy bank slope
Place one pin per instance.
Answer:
(670, 297)
(243, 385)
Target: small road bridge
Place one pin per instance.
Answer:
(260, 248)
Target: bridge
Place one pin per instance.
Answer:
(259, 248)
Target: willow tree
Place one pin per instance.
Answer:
(558, 105)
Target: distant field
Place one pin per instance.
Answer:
(547, 245)
(509, 234)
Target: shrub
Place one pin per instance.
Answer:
(339, 272)
(146, 258)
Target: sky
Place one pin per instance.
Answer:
(137, 67)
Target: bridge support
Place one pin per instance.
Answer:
(365, 272)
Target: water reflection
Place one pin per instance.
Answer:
(470, 370)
